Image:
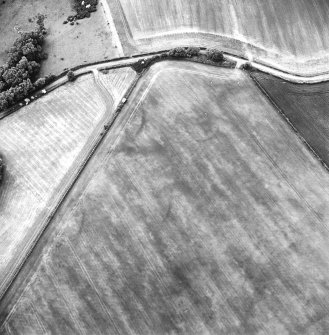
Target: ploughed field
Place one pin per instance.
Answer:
(202, 212)
(44, 145)
(287, 34)
(306, 106)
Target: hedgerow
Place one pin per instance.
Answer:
(83, 9)
(18, 77)
(142, 64)
(212, 55)
(178, 52)
(192, 52)
(215, 55)
(70, 76)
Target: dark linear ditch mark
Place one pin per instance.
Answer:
(286, 119)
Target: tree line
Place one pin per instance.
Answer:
(212, 55)
(18, 77)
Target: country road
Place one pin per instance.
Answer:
(128, 61)
(239, 60)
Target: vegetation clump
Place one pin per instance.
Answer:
(181, 52)
(209, 56)
(215, 55)
(83, 9)
(192, 52)
(71, 76)
(18, 76)
(246, 66)
(178, 52)
(142, 64)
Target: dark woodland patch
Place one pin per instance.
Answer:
(83, 8)
(18, 77)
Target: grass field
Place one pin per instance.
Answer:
(288, 34)
(201, 213)
(67, 46)
(306, 106)
(43, 145)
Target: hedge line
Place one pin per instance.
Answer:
(210, 55)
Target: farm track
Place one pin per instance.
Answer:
(272, 70)
(127, 61)
(130, 60)
(109, 18)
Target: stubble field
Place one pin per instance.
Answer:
(287, 34)
(201, 213)
(44, 145)
(306, 106)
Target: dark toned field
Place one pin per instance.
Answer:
(287, 34)
(306, 106)
(201, 213)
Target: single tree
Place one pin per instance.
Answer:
(215, 55)
(71, 76)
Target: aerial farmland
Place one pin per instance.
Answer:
(164, 167)
(286, 34)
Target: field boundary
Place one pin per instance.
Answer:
(283, 115)
(128, 61)
(109, 18)
(226, 42)
(98, 140)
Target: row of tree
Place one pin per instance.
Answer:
(18, 77)
(212, 54)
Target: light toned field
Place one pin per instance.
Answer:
(201, 213)
(306, 106)
(44, 145)
(67, 46)
(288, 34)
